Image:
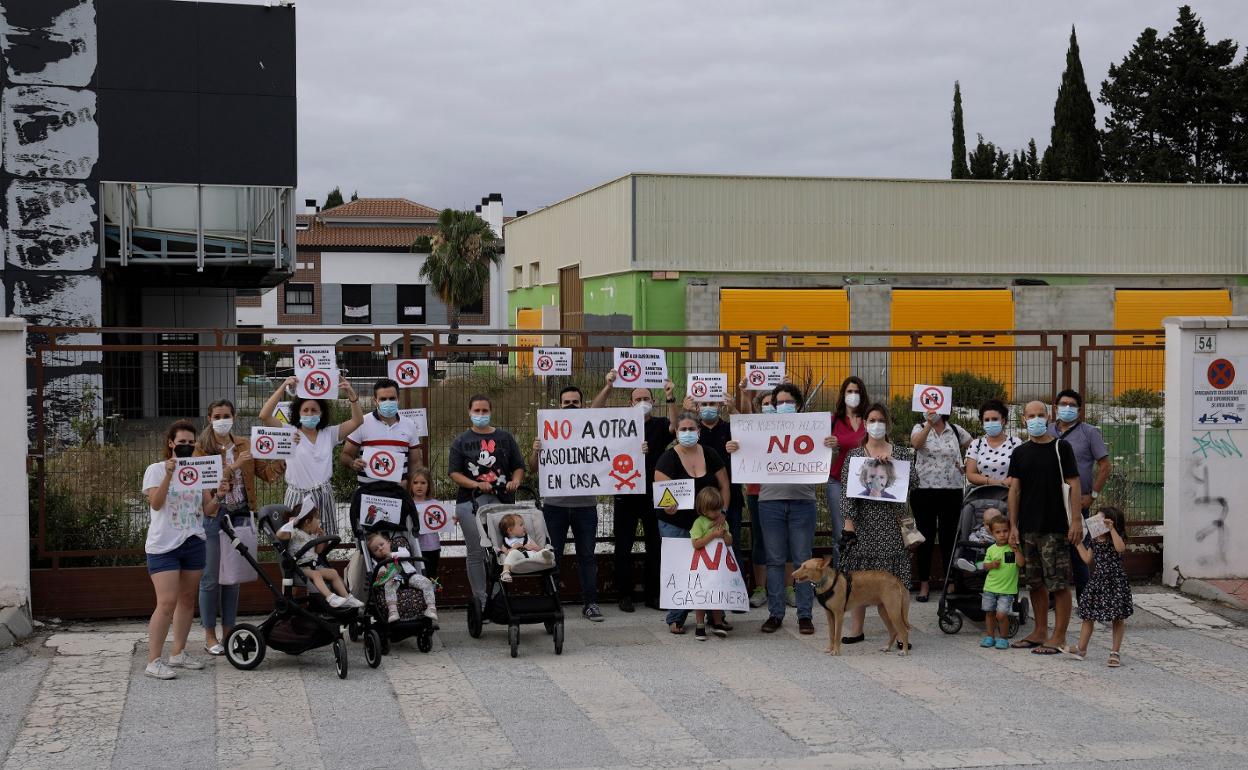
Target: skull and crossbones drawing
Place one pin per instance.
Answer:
(622, 470)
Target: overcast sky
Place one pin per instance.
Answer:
(444, 101)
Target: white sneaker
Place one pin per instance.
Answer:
(965, 565)
(432, 614)
(335, 601)
(183, 660)
(393, 617)
(506, 576)
(158, 670)
(354, 602)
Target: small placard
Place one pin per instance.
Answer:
(435, 515)
(707, 387)
(420, 417)
(678, 492)
(932, 398)
(640, 367)
(409, 372)
(763, 375)
(375, 509)
(383, 463)
(272, 443)
(1206, 343)
(552, 362)
(197, 472)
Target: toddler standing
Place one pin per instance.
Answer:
(1002, 562)
(1107, 597)
(710, 525)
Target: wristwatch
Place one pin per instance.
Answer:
(1095, 494)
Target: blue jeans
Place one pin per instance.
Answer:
(667, 529)
(584, 524)
(838, 520)
(212, 595)
(789, 536)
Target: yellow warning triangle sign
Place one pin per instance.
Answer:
(667, 499)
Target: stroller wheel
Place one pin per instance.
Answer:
(372, 648)
(559, 637)
(513, 639)
(1012, 629)
(385, 645)
(245, 647)
(950, 622)
(424, 642)
(353, 630)
(474, 619)
(340, 658)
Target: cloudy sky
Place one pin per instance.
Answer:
(444, 101)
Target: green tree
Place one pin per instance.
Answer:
(1074, 151)
(1024, 165)
(458, 266)
(333, 199)
(988, 162)
(958, 169)
(355, 196)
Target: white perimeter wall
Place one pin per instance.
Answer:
(14, 514)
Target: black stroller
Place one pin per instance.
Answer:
(296, 624)
(506, 606)
(968, 586)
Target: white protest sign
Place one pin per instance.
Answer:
(640, 368)
(678, 493)
(763, 375)
(435, 515)
(870, 479)
(282, 413)
(316, 371)
(707, 387)
(781, 448)
(272, 443)
(1220, 392)
(197, 473)
(552, 362)
(932, 398)
(383, 463)
(704, 579)
(375, 509)
(590, 452)
(409, 372)
(420, 417)
(1096, 525)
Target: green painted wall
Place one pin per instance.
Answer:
(612, 294)
(534, 297)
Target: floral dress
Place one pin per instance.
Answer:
(1108, 595)
(877, 523)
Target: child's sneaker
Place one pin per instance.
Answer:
(353, 602)
(759, 597)
(506, 576)
(182, 660)
(432, 614)
(699, 633)
(719, 630)
(335, 601)
(1002, 644)
(393, 617)
(965, 565)
(158, 670)
(987, 641)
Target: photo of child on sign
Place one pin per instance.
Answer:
(871, 479)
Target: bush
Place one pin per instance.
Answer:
(244, 372)
(1141, 398)
(970, 389)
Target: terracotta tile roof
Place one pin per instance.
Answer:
(320, 235)
(382, 208)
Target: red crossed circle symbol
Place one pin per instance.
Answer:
(932, 398)
(1221, 374)
(382, 463)
(629, 371)
(316, 383)
(188, 476)
(698, 389)
(545, 363)
(407, 372)
(435, 517)
(264, 445)
(758, 377)
(306, 361)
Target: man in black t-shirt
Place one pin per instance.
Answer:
(1038, 522)
(630, 509)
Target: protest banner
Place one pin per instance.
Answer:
(763, 375)
(383, 463)
(197, 473)
(590, 452)
(707, 387)
(678, 493)
(700, 579)
(640, 368)
(435, 515)
(420, 417)
(375, 509)
(552, 362)
(781, 448)
(870, 479)
(932, 398)
(316, 372)
(272, 443)
(409, 372)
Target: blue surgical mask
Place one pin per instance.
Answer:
(480, 421)
(310, 421)
(388, 409)
(786, 407)
(1037, 426)
(709, 413)
(769, 409)
(992, 427)
(687, 437)
(1068, 413)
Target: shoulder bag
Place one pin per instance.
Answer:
(1062, 477)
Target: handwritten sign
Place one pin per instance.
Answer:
(420, 417)
(272, 443)
(197, 473)
(932, 398)
(678, 493)
(781, 448)
(375, 509)
(640, 368)
(383, 463)
(1220, 392)
(552, 362)
(703, 579)
(707, 387)
(409, 372)
(870, 479)
(590, 452)
(435, 515)
(763, 375)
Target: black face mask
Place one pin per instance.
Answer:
(183, 450)
(569, 406)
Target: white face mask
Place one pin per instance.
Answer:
(223, 426)
(876, 430)
(852, 400)
(645, 406)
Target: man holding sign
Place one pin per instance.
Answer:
(383, 434)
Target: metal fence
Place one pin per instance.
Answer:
(99, 409)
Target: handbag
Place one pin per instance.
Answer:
(910, 534)
(1065, 487)
(234, 568)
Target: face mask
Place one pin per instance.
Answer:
(709, 413)
(388, 409)
(992, 427)
(769, 409)
(310, 421)
(645, 406)
(183, 450)
(1067, 413)
(222, 427)
(1037, 426)
(480, 421)
(852, 400)
(876, 430)
(787, 407)
(687, 437)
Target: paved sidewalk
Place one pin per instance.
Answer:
(625, 693)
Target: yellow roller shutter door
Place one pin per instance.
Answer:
(1145, 309)
(955, 310)
(527, 318)
(790, 309)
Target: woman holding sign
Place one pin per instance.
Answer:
(937, 499)
(311, 469)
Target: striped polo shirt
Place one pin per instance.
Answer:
(374, 432)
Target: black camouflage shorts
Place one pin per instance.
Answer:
(1047, 556)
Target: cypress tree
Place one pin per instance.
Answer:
(958, 169)
(1074, 152)
(333, 200)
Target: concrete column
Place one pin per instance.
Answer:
(14, 513)
(870, 309)
(1206, 471)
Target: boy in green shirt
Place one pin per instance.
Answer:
(1002, 562)
(710, 525)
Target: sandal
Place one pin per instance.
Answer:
(215, 649)
(1115, 660)
(1025, 644)
(1044, 649)
(676, 628)
(1073, 652)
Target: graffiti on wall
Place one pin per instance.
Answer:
(1210, 510)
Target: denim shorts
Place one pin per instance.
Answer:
(997, 602)
(190, 556)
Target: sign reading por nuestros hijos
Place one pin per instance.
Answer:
(781, 448)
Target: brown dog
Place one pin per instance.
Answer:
(865, 588)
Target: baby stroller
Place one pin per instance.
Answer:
(968, 586)
(373, 625)
(505, 605)
(296, 624)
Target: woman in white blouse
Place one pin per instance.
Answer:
(937, 497)
(988, 458)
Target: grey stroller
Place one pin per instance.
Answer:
(968, 586)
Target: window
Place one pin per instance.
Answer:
(474, 308)
(357, 299)
(517, 277)
(299, 299)
(535, 273)
(411, 298)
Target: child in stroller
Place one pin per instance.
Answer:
(300, 529)
(518, 549)
(966, 595)
(395, 569)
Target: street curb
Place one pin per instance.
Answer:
(14, 626)
(1203, 590)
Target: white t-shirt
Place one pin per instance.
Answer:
(181, 517)
(313, 461)
(993, 463)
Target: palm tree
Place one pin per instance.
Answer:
(462, 252)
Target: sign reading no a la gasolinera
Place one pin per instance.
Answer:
(1220, 392)
(590, 452)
